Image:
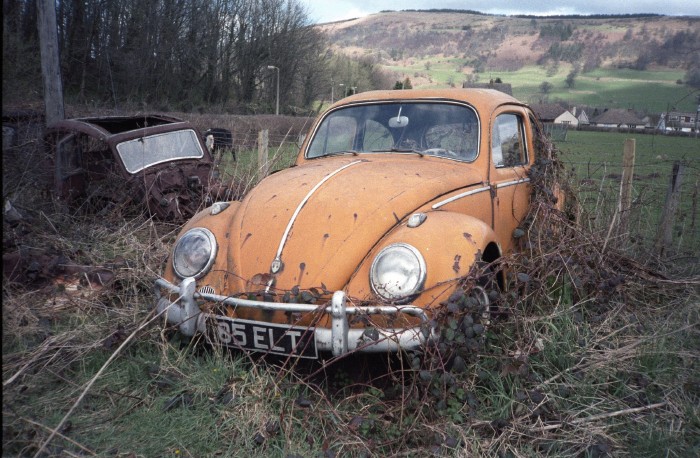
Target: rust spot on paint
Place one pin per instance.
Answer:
(467, 235)
(248, 235)
(302, 268)
(258, 280)
(455, 266)
(354, 216)
(396, 217)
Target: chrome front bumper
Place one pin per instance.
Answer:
(339, 339)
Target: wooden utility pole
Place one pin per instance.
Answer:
(50, 63)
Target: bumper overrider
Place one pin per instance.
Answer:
(339, 339)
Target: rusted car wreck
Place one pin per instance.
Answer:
(103, 162)
(396, 197)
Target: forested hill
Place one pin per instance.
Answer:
(477, 43)
(233, 55)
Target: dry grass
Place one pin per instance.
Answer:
(590, 354)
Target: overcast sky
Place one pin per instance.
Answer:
(335, 10)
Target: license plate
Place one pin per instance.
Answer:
(272, 338)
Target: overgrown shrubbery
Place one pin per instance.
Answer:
(587, 353)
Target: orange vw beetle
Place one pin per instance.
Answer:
(394, 196)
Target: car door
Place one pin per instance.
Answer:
(511, 156)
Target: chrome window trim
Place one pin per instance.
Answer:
(312, 136)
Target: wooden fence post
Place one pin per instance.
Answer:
(668, 218)
(625, 203)
(263, 154)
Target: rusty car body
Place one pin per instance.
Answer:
(157, 160)
(394, 197)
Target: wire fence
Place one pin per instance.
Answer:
(661, 216)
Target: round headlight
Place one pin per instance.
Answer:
(398, 272)
(194, 253)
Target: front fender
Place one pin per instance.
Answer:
(450, 243)
(218, 225)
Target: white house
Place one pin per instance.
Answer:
(567, 118)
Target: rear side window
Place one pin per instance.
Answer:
(508, 148)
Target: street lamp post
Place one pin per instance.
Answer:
(354, 90)
(341, 85)
(277, 105)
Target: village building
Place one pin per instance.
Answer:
(619, 119)
(556, 114)
(679, 120)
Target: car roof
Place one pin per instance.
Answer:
(109, 126)
(481, 99)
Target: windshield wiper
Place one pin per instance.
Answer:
(400, 150)
(340, 153)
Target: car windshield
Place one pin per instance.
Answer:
(147, 151)
(426, 128)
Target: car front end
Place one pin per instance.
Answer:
(356, 248)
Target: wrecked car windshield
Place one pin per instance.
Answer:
(144, 152)
(425, 128)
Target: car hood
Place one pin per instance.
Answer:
(321, 219)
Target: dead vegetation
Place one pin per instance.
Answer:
(589, 353)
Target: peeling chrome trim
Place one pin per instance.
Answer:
(459, 196)
(212, 254)
(218, 207)
(416, 220)
(339, 339)
(512, 183)
(278, 255)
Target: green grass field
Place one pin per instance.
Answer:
(592, 355)
(653, 91)
(596, 161)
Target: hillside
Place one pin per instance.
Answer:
(627, 53)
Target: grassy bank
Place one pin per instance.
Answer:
(594, 353)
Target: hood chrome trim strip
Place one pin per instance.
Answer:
(304, 201)
(459, 196)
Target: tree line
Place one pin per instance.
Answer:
(178, 54)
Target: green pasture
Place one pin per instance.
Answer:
(595, 161)
(441, 71)
(652, 91)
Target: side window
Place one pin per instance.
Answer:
(508, 148)
(377, 137)
(337, 134)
